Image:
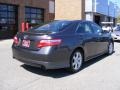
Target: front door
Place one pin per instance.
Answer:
(90, 43)
(101, 38)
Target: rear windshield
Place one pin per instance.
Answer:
(55, 26)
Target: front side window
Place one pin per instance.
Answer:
(84, 28)
(97, 29)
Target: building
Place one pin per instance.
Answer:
(14, 12)
(69, 9)
(93, 10)
(100, 11)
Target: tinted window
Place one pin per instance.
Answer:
(8, 14)
(3, 14)
(3, 7)
(34, 15)
(97, 29)
(11, 8)
(55, 26)
(8, 20)
(84, 28)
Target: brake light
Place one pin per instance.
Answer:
(15, 40)
(51, 42)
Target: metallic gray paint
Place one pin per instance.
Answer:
(53, 57)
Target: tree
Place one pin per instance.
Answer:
(118, 19)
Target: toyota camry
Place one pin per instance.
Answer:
(62, 44)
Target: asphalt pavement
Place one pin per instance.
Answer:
(102, 73)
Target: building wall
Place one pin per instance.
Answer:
(89, 10)
(51, 9)
(44, 4)
(88, 5)
(69, 9)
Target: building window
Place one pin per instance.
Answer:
(7, 14)
(8, 20)
(34, 15)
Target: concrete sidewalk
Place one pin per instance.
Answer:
(98, 74)
(5, 43)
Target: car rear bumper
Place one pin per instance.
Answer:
(40, 64)
(33, 58)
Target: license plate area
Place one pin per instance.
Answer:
(26, 43)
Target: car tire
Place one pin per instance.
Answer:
(110, 48)
(76, 61)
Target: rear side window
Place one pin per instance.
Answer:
(55, 26)
(84, 28)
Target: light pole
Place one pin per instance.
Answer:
(115, 11)
(93, 6)
(108, 9)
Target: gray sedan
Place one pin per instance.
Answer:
(62, 44)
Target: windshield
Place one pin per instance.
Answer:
(55, 26)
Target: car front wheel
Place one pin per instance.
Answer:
(76, 61)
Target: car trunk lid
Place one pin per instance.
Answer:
(29, 40)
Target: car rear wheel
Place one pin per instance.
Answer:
(110, 48)
(76, 61)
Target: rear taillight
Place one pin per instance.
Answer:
(51, 42)
(15, 40)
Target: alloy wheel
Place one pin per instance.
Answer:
(110, 48)
(76, 61)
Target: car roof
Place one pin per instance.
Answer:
(75, 20)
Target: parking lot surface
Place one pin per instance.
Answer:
(101, 73)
